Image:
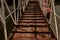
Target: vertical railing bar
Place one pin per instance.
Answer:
(56, 26)
(46, 8)
(55, 20)
(23, 6)
(51, 14)
(4, 24)
(20, 9)
(18, 12)
(14, 9)
(5, 31)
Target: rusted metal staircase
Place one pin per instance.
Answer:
(33, 25)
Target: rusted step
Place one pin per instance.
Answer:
(44, 37)
(33, 15)
(31, 25)
(32, 29)
(23, 36)
(32, 10)
(27, 20)
(31, 32)
(28, 17)
(42, 29)
(34, 19)
(31, 21)
(33, 4)
(31, 7)
(40, 20)
(25, 29)
(40, 24)
(33, 1)
(28, 36)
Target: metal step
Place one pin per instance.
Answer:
(32, 29)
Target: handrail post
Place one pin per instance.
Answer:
(18, 11)
(55, 20)
(4, 24)
(51, 14)
(14, 12)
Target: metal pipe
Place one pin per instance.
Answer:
(15, 11)
(4, 24)
(18, 11)
(9, 11)
(55, 20)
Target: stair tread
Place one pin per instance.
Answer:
(40, 24)
(32, 29)
(31, 25)
(31, 32)
(28, 36)
(33, 15)
(32, 20)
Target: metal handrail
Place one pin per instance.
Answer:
(51, 2)
(56, 26)
(15, 19)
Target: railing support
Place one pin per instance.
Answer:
(4, 24)
(55, 20)
(14, 12)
